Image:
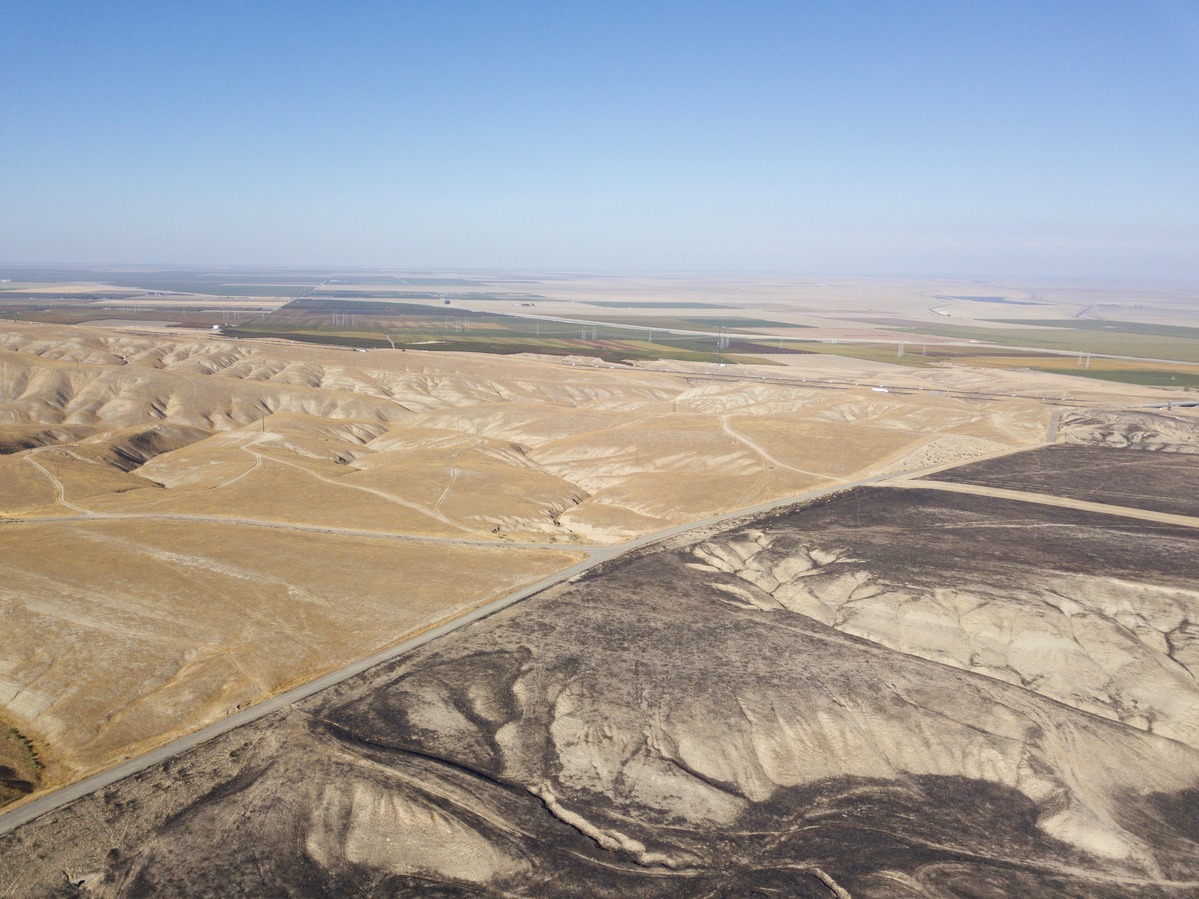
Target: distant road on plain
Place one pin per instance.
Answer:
(915, 339)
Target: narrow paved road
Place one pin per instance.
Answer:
(1046, 499)
(23, 813)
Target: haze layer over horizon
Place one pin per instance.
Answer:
(1012, 139)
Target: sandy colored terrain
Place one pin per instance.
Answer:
(164, 498)
(140, 629)
(886, 693)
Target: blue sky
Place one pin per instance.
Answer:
(958, 138)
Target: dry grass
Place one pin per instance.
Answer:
(129, 624)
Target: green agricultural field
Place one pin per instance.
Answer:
(872, 353)
(363, 323)
(76, 314)
(366, 324)
(1076, 340)
(738, 322)
(691, 323)
(375, 280)
(498, 342)
(322, 305)
(1146, 377)
(654, 304)
(346, 294)
(1091, 324)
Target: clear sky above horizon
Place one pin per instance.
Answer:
(940, 138)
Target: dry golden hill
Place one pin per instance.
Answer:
(189, 525)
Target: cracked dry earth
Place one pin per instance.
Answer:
(888, 693)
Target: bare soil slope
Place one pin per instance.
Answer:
(886, 694)
(188, 525)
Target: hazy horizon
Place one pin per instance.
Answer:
(496, 273)
(1012, 140)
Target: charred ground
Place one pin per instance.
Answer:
(891, 693)
(1160, 482)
